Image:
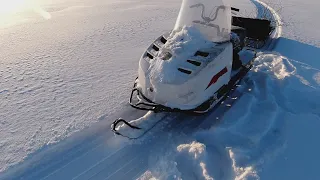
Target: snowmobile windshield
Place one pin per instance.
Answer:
(211, 17)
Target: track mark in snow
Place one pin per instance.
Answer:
(4, 91)
(93, 147)
(275, 17)
(94, 166)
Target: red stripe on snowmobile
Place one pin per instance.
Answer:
(217, 76)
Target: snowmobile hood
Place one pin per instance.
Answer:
(211, 17)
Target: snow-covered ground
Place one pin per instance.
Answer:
(62, 74)
(66, 68)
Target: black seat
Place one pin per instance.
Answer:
(258, 29)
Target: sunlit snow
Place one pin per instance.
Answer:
(66, 72)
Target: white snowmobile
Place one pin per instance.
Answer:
(194, 67)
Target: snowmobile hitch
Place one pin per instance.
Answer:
(116, 123)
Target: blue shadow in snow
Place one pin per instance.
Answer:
(299, 51)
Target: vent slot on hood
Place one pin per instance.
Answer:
(201, 53)
(149, 55)
(184, 71)
(163, 40)
(196, 63)
(155, 48)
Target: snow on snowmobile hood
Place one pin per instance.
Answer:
(180, 45)
(200, 25)
(211, 17)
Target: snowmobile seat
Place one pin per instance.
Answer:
(257, 29)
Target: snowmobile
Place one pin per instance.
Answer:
(194, 67)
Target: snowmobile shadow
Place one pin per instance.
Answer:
(48, 159)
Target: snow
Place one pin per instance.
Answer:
(62, 75)
(299, 20)
(197, 152)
